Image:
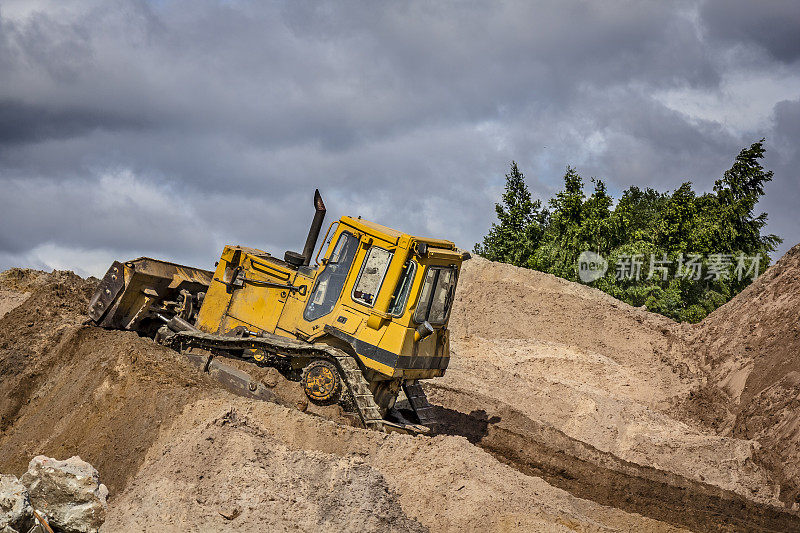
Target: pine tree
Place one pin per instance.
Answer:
(677, 225)
(738, 192)
(596, 230)
(559, 249)
(521, 223)
(645, 224)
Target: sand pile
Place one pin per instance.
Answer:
(175, 456)
(560, 411)
(229, 464)
(600, 371)
(70, 389)
(15, 287)
(750, 349)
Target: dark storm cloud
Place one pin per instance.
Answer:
(171, 128)
(785, 162)
(773, 25)
(30, 123)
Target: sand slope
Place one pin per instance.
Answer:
(563, 409)
(595, 368)
(750, 349)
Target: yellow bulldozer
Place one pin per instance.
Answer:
(365, 321)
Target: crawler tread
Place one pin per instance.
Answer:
(282, 348)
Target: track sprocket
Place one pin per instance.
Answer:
(322, 382)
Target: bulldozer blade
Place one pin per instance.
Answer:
(130, 292)
(107, 291)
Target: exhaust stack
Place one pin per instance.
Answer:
(316, 226)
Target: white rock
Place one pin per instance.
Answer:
(16, 513)
(68, 493)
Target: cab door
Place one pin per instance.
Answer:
(303, 315)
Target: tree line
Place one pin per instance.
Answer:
(681, 254)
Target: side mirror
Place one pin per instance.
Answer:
(423, 330)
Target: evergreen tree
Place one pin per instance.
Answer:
(738, 192)
(568, 203)
(561, 240)
(521, 223)
(596, 226)
(636, 214)
(644, 226)
(676, 225)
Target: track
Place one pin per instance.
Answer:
(279, 350)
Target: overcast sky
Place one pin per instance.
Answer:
(168, 129)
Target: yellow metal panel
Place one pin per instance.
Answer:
(373, 228)
(265, 268)
(427, 347)
(398, 339)
(445, 255)
(437, 243)
(378, 367)
(346, 320)
(258, 306)
(291, 318)
(373, 337)
(211, 314)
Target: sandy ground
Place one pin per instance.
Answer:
(11, 299)
(15, 287)
(595, 368)
(563, 409)
(269, 465)
(749, 349)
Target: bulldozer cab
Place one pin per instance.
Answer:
(381, 294)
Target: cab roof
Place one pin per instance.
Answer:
(368, 226)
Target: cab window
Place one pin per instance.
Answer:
(370, 279)
(400, 298)
(436, 296)
(331, 280)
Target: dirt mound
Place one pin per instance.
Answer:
(538, 449)
(232, 464)
(598, 370)
(234, 475)
(15, 287)
(561, 412)
(33, 324)
(749, 347)
(150, 423)
(22, 279)
(73, 389)
(78, 390)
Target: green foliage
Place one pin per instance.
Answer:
(716, 232)
(521, 223)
